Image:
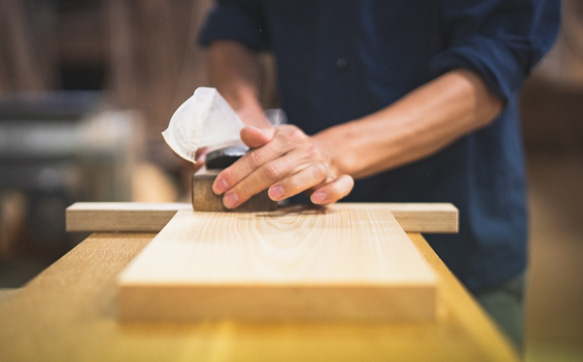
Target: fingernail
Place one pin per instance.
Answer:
(318, 197)
(276, 193)
(220, 186)
(231, 200)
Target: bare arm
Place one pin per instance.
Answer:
(287, 162)
(237, 74)
(420, 124)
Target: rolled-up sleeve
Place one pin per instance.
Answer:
(501, 40)
(240, 21)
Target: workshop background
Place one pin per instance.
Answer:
(86, 87)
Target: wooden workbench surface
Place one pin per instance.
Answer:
(68, 312)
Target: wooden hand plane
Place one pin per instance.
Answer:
(203, 197)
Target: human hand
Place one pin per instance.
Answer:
(285, 161)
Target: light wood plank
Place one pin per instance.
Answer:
(68, 313)
(5, 293)
(152, 217)
(349, 263)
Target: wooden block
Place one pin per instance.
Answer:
(152, 217)
(204, 199)
(349, 263)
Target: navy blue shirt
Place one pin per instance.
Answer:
(341, 60)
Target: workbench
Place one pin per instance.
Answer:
(68, 312)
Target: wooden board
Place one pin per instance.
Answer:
(152, 217)
(341, 262)
(5, 293)
(68, 313)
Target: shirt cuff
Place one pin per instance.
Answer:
(502, 64)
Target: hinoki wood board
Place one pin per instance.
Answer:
(152, 217)
(349, 262)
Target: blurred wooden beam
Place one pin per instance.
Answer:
(121, 39)
(18, 39)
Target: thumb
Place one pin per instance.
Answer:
(256, 137)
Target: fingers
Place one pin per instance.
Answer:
(263, 177)
(276, 146)
(252, 162)
(333, 191)
(255, 137)
(285, 161)
(313, 175)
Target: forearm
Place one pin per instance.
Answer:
(237, 74)
(420, 124)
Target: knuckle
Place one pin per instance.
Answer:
(255, 159)
(283, 130)
(288, 127)
(293, 186)
(295, 134)
(242, 193)
(314, 152)
(271, 171)
(320, 170)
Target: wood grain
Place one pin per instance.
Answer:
(68, 313)
(349, 263)
(152, 217)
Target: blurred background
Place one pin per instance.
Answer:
(86, 87)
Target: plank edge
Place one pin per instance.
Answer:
(359, 303)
